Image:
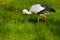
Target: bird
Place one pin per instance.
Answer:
(40, 10)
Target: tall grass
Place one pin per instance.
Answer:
(12, 27)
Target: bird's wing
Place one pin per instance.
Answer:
(36, 8)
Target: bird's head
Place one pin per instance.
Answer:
(24, 11)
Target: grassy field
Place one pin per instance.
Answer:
(12, 27)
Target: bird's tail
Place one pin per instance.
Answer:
(51, 10)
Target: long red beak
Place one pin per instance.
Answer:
(22, 15)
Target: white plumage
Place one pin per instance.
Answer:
(36, 8)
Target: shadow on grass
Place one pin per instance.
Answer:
(35, 20)
(54, 26)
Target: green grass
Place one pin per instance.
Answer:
(12, 27)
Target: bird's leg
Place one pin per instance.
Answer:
(45, 17)
(38, 20)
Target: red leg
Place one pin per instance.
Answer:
(45, 17)
(38, 20)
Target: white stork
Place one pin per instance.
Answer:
(40, 10)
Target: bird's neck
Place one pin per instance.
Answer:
(28, 12)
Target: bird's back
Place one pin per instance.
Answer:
(36, 8)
